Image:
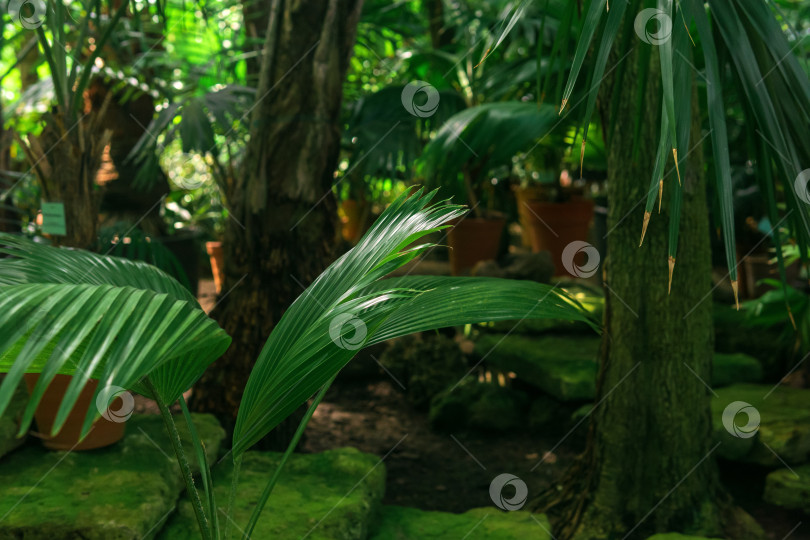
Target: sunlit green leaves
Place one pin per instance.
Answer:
(72, 312)
(348, 308)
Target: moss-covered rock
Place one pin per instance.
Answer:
(733, 333)
(425, 365)
(124, 491)
(475, 405)
(400, 523)
(10, 422)
(332, 495)
(735, 368)
(565, 368)
(784, 428)
(788, 490)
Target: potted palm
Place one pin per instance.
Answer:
(553, 206)
(66, 157)
(165, 340)
(471, 157)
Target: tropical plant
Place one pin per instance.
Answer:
(750, 39)
(67, 154)
(484, 140)
(665, 61)
(130, 325)
(129, 242)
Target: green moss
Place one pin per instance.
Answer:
(426, 365)
(788, 490)
(565, 368)
(124, 491)
(735, 368)
(10, 421)
(332, 495)
(483, 406)
(400, 523)
(784, 424)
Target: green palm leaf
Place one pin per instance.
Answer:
(595, 10)
(348, 308)
(485, 137)
(72, 312)
(717, 123)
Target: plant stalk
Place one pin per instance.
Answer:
(237, 466)
(185, 469)
(268, 489)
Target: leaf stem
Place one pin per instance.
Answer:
(237, 466)
(174, 437)
(268, 489)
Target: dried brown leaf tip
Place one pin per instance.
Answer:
(735, 288)
(677, 170)
(660, 193)
(671, 270)
(564, 103)
(644, 227)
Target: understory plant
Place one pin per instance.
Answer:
(127, 324)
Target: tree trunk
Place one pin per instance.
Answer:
(283, 217)
(650, 466)
(66, 157)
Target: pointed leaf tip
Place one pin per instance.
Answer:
(644, 227)
(677, 169)
(660, 193)
(564, 103)
(671, 262)
(735, 287)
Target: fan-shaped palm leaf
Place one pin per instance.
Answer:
(91, 316)
(348, 307)
(485, 137)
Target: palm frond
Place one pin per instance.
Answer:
(72, 312)
(485, 137)
(348, 308)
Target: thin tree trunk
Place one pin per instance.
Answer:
(650, 465)
(653, 431)
(282, 228)
(66, 157)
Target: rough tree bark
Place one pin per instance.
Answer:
(649, 466)
(66, 157)
(282, 229)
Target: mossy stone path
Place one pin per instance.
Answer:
(333, 495)
(124, 491)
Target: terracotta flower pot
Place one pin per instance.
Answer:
(217, 257)
(524, 195)
(103, 433)
(472, 240)
(562, 223)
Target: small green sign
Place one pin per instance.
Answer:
(53, 218)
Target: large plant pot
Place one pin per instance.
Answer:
(217, 257)
(472, 240)
(523, 196)
(352, 218)
(562, 223)
(103, 433)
